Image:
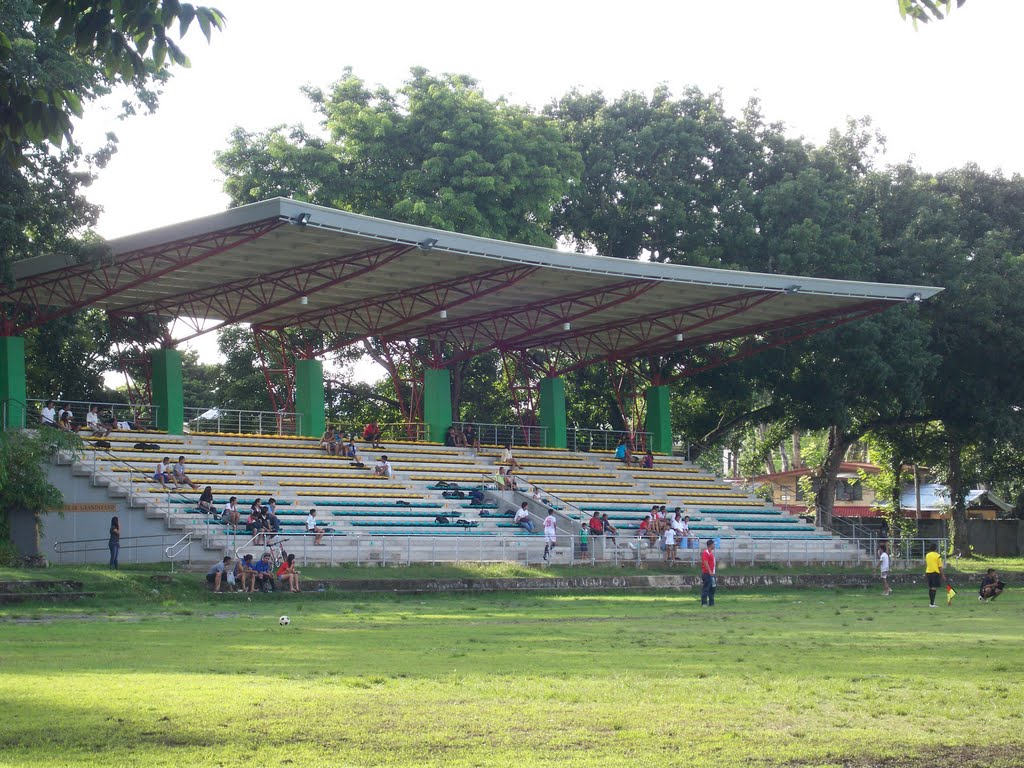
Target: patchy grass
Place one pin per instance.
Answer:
(770, 678)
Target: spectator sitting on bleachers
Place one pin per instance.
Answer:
(206, 501)
(163, 473)
(647, 531)
(231, 516)
(64, 423)
(508, 459)
(460, 437)
(608, 529)
(244, 574)
(621, 449)
(272, 519)
(180, 478)
(92, 421)
(254, 524)
(216, 577)
(288, 574)
(350, 449)
(449, 437)
(262, 577)
(522, 518)
(371, 434)
(511, 483)
(327, 443)
(472, 441)
(313, 527)
(596, 526)
(500, 480)
(66, 411)
(535, 495)
(648, 462)
(383, 468)
(476, 496)
(255, 506)
(48, 415)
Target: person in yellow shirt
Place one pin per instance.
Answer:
(933, 572)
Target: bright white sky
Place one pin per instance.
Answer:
(939, 94)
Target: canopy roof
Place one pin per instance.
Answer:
(283, 264)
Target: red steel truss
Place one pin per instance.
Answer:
(522, 379)
(817, 323)
(38, 299)
(240, 300)
(516, 328)
(382, 315)
(277, 361)
(627, 380)
(589, 354)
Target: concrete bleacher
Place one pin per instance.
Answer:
(373, 519)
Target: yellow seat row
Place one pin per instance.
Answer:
(317, 484)
(347, 495)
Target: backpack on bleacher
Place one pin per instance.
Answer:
(147, 446)
(443, 520)
(104, 444)
(453, 495)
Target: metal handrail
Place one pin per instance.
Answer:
(505, 434)
(127, 543)
(181, 545)
(413, 431)
(216, 419)
(4, 409)
(584, 439)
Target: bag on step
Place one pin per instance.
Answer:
(104, 444)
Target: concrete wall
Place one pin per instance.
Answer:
(86, 520)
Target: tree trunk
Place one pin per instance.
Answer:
(769, 460)
(958, 538)
(828, 475)
(783, 458)
(798, 461)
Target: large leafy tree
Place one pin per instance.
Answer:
(436, 152)
(98, 44)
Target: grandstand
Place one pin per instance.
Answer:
(373, 520)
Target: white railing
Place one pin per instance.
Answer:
(606, 439)
(242, 422)
(12, 414)
(184, 544)
(111, 414)
(73, 551)
(414, 431)
(524, 436)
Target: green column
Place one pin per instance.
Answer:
(659, 419)
(552, 412)
(167, 394)
(12, 381)
(309, 397)
(437, 402)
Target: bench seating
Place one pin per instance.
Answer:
(360, 494)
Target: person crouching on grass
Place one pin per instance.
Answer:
(991, 586)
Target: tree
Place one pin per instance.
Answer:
(24, 486)
(116, 42)
(435, 152)
(927, 10)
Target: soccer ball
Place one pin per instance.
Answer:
(284, 621)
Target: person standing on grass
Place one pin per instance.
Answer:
(114, 543)
(707, 574)
(883, 569)
(550, 534)
(933, 572)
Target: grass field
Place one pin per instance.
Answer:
(163, 674)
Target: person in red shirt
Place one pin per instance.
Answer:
(288, 575)
(707, 574)
(596, 526)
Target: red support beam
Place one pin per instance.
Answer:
(518, 327)
(277, 360)
(386, 314)
(838, 315)
(243, 299)
(41, 298)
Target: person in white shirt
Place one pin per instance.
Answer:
(231, 516)
(313, 527)
(48, 415)
(535, 495)
(382, 468)
(508, 459)
(550, 534)
(92, 421)
(669, 538)
(163, 473)
(883, 569)
(522, 518)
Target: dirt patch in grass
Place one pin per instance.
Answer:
(996, 756)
